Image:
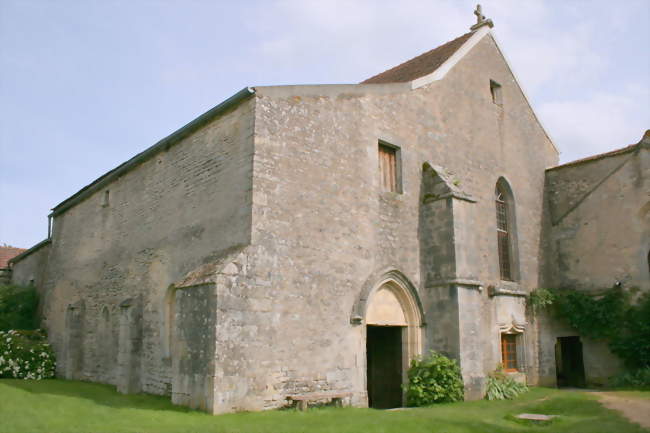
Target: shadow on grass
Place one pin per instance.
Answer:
(101, 394)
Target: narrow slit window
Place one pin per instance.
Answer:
(503, 235)
(106, 198)
(388, 169)
(495, 89)
(509, 352)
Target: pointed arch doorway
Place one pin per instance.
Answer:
(393, 337)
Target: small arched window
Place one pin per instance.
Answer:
(505, 230)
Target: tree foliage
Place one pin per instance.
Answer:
(610, 316)
(18, 307)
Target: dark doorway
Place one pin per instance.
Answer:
(568, 361)
(384, 351)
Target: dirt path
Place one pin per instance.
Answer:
(636, 410)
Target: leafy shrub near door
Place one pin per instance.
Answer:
(433, 379)
(502, 387)
(636, 379)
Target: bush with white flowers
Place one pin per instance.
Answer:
(26, 355)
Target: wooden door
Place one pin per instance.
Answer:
(384, 363)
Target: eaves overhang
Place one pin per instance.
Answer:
(161, 145)
(28, 252)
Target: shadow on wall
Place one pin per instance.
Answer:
(104, 395)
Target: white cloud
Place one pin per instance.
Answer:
(556, 49)
(597, 124)
(354, 39)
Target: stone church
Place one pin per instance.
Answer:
(316, 238)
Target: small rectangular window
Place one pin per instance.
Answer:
(389, 167)
(509, 352)
(495, 89)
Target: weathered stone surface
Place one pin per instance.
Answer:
(596, 236)
(186, 207)
(236, 267)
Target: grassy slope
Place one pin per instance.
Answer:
(56, 406)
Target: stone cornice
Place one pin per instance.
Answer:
(503, 291)
(454, 194)
(457, 282)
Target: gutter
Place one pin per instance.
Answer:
(163, 144)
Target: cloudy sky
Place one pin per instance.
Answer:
(85, 85)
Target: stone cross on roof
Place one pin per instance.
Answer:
(480, 19)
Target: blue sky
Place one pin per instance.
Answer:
(85, 85)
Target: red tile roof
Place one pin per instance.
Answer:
(421, 65)
(7, 253)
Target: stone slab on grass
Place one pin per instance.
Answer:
(535, 417)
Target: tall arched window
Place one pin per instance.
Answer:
(506, 235)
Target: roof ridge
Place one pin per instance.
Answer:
(645, 139)
(420, 65)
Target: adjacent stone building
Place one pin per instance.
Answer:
(296, 239)
(597, 236)
(7, 253)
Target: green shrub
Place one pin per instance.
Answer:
(18, 306)
(639, 379)
(25, 355)
(632, 341)
(540, 298)
(502, 387)
(612, 316)
(433, 379)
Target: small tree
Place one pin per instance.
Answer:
(18, 307)
(434, 379)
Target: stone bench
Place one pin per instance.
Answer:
(303, 400)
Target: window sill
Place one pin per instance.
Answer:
(510, 284)
(517, 376)
(391, 197)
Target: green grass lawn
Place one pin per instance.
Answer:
(57, 406)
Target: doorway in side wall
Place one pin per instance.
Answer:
(384, 363)
(569, 364)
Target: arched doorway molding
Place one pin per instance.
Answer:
(388, 302)
(404, 290)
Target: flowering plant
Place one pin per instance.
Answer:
(26, 355)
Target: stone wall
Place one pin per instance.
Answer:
(115, 255)
(267, 229)
(30, 268)
(597, 234)
(322, 228)
(193, 346)
(586, 201)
